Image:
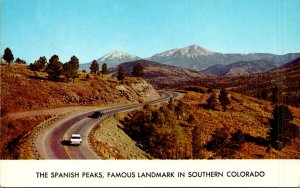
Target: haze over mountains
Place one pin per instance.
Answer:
(198, 58)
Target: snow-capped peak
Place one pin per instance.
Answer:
(195, 50)
(192, 50)
(117, 55)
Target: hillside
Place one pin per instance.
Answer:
(241, 68)
(260, 85)
(23, 90)
(160, 74)
(189, 129)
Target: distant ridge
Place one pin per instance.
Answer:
(198, 58)
(242, 68)
(194, 57)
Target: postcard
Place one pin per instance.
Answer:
(136, 93)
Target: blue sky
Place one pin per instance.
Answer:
(92, 28)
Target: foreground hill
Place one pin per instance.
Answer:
(160, 74)
(198, 58)
(26, 90)
(189, 129)
(23, 89)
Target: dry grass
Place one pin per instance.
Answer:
(248, 114)
(23, 90)
(12, 131)
(111, 142)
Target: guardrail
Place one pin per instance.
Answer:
(33, 134)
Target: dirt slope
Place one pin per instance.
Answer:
(28, 98)
(23, 89)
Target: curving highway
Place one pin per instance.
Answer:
(50, 141)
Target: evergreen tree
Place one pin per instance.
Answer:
(88, 77)
(70, 68)
(170, 103)
(212, 102)
(210, 90)
(179, 109)
(223, 98)
(279, 125)
(74, 65)
(138, 70)
(264, 94)
(277, 95)
(121, 73)
(8, 55)
(94, 67)
(38, 65)
(237, 139)
(292, 132)
(20, 61)
(66, 71)
(219, 142)
(197, 142)
(54, 68)
(104, 68)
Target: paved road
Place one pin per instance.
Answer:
(49, 142)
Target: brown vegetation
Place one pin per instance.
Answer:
(23, 89)
(13, 130)
(188, 129)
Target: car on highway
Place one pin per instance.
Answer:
(75, 139)
(96, 114)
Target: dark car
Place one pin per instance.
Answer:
(97, 114)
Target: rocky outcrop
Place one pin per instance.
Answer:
(138, 90)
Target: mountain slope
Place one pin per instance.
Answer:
(26, 90)
(241, 68)
(293, 65)
(160, 75)
(261, 85)
(112, 59)
(244, 126)
(198, 58)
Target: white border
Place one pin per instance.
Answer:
(22, 173)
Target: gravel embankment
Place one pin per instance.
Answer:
(110, 142)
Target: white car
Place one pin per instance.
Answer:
(75, 139)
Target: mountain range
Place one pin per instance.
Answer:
(112, 59)
(198, 58)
